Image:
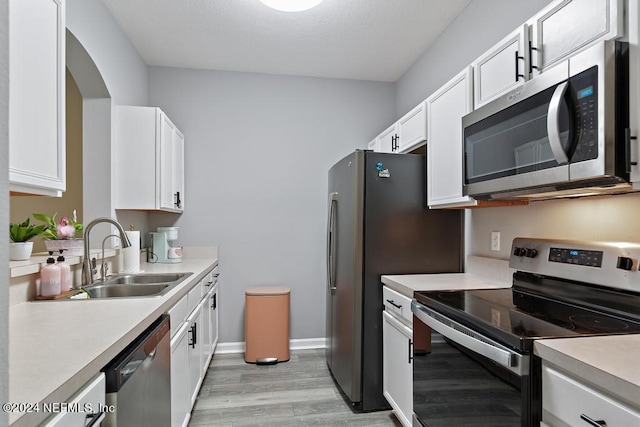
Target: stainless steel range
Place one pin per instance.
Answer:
(484, 373)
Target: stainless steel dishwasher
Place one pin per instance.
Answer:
(139, 380)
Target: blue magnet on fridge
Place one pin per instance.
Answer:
(379, 166)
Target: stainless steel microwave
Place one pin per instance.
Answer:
(563, 133)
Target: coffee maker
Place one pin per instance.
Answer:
(161, 250)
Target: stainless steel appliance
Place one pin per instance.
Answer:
(378, 224)
(139, 380)
(565, 132)
(484, 371)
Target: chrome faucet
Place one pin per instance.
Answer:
(88, 270)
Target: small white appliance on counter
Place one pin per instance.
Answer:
(161, 249)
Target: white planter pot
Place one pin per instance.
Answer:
(20, 251)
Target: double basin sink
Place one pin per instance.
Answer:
(135, 285)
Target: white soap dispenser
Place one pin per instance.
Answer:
(50, 278)
(65, 273)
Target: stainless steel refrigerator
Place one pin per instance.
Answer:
(378, 223)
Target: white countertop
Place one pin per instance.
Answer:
(55, 347)
(609, 363)
(407, 284)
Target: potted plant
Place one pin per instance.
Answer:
(20, 234)
(61, 235)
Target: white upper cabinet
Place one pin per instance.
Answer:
(502, 68)
(567, 26)
(150, 153)
(412, 128)
(445, 109)
(405, 134)
(37, 97)
(388, 140)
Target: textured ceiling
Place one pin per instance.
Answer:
(352, 39)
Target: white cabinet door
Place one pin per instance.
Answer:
(149, 152)
(195, 353)
(445, 109)
(502, 68)
(373, 145)
(566, 26)
(166, 163)
(412, 128)
(178, 170)
(84, 406)
(397, 367)
(37, 97)
(180, 394)
(388, 140)
(566, 401)
(206, 330)
(214, 318)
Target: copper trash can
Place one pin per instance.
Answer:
(266, 325)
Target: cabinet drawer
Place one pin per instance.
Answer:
(91, 396)
(178, 314)
(397, 303)
(209, 280)
(565, 401)
(194, 296)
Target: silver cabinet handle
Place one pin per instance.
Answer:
(591, 421)
(553, 124)
(94, 418)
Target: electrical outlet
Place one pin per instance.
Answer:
(495, 240)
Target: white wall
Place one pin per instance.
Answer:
(257, 149)
(478, 27)
(4, 201)
(125, 75)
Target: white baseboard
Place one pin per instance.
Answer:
(298, 344)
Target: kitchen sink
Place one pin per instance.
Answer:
(145, 278)
(135, 285)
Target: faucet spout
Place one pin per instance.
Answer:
(88, 271)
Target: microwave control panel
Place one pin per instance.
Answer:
(584, 88)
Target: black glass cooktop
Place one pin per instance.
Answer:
(519, 315)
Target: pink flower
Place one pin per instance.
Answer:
(65, 231)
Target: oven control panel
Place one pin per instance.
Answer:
(608, 264)
(576, 256)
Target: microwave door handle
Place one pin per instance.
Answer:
(553, 124)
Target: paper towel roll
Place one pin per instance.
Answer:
(131, 255)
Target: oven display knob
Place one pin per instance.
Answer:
(531, 253)
(626, 263)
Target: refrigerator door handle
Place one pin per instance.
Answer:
(331, 238)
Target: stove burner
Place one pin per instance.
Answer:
(599, 322)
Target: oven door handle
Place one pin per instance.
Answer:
(553, 124)
(470, 339)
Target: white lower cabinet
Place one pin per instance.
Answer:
(397, 355)
(87, 405)
(567, 401)
(194, 336)
(195, 353)
(180, 404)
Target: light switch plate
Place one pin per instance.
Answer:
(495, 240)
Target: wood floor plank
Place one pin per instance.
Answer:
(300, 392)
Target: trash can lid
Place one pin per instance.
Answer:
(267, 290)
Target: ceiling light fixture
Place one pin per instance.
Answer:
(291, 5)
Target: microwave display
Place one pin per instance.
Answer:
(588, 91)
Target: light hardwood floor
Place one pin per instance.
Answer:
(299, 392)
